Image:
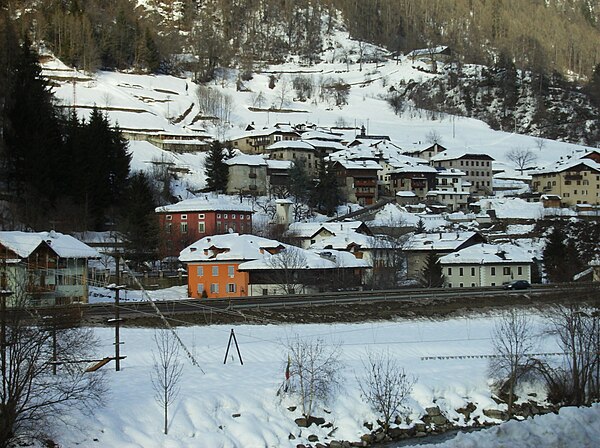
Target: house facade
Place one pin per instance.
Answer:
(476, 166)
(420, 245)
(45, 269)
(358, 180)
(256, 141)
(210, 214)
(247, 175)
(297, 151)
(236, 265)
(418, 179)
(486, 265)
(576, 182)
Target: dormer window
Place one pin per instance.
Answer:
(183, 217)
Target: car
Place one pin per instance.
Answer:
(518, 284)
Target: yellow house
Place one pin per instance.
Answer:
(576, 182)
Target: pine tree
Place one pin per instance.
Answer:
(431, 274)
(327, 195)
(215, 168)
(31, 129)
(561, 258)
(420, 228)
(299, 182)
(138, 222)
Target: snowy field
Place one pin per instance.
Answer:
(445, 356)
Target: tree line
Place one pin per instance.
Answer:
(540, 36)
(59, 170)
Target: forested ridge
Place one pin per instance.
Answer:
(151, 35)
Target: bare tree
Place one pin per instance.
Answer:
(433, 137)
(313, 371)
(43, 377)
(576, 381)
(167, 371)
(283, 93)
(540, 143)
(285, 269)
(386, 386)
(521, 157)
(513, 342)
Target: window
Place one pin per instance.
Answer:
(461, 285)
(472, 272)
(169, 217)
(218, 216)
(169, 227)
(506, 270)
(201, 227)
(449, 271)
(183, 217)
(265, 292)
(200, 271)
(201, 216)
(233, 216)
(224, 215)
(214, 288)
(200, 288)
(183, 227)
(230, 271)
(248, 217)
(493, 269)
(231, 287)
(520, 270)
(460, 272)
(215, 271)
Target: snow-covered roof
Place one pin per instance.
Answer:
(441, 241)
(342, 240)
(489, 254)
(406, 194)
(255, 253)
(311, 259)
(267, 131)
(454, 154)
(245, 159)
(291, 144)
(321, 135)
(65, 246)
(279, 164)
(326, 144)
(427, 51)
(451, 172)
(308, 229)
(566, 166)
(409, 168)
(207, 202)
(231, 246)
(359, 165)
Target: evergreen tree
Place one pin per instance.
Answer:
(561, 258)
(299, 182)
(215, 168)
(420, 228)
(31, 129)
(138, 222)
(431, 274)
(327, 195)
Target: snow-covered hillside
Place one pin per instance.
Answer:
(153, 103)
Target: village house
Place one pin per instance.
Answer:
(236, 265)
(476, 166)
(420, 245)
(450, 190)
(428, 152)
(45, 268)
(418, 179)
(358, 180)
(486, 265)
(297, 151)
(209, 214)
(256, 141)
(247, 175)
(576, 182)
(307, 234)
(278, 174)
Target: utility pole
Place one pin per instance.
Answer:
(117, 319)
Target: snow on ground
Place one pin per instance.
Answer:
(203, 415)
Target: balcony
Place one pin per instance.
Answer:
(252, 175)
(573, 177)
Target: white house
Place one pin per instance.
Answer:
(486, 265)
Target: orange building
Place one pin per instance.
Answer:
(213, 262)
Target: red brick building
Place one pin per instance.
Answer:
(187, 221)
